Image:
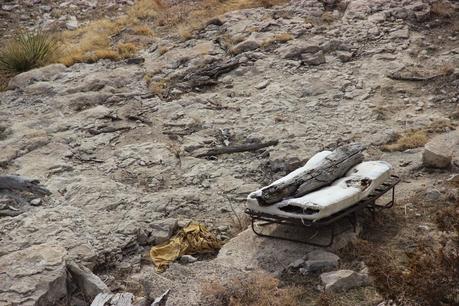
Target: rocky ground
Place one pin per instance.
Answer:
(54, 15)
(117, 143)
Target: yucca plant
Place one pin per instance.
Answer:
(27, 51)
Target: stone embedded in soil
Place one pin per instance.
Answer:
(186, 259)
(40, 74)
(319, 260)
(343, 280)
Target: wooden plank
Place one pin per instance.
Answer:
(101, 299)
(238, 148)
(20, 183)
(122, 299)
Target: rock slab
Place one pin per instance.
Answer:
(343, 280)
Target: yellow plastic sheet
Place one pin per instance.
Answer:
(192, 239)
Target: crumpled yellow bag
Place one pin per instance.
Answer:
(192, 239)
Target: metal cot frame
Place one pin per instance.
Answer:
(349, 213)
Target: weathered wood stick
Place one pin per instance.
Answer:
(238, 148)
(117, 299)
(12, 182)
(332, 167)
(10, 213)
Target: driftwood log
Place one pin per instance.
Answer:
(238, 148)
(20, 183)
(110, 299)
(10, 186)
(207, 75)
(332, 167)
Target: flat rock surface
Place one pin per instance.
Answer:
(119, 158)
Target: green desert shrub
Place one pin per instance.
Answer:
(27, 51)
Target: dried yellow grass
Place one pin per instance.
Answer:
(96, 38)
(277, 38)
(411, 140)
(143, 30)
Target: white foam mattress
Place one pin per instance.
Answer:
(356, 185)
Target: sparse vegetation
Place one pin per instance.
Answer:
(277, 38)
(256, 289)
(143, 30)
(27, 51)
(442, 8)
(410, 140)
(424, 277)
(95, 40)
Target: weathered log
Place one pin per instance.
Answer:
(101, 299)
(118, 299)
(20, 183)
(334, 166)
(238, 148)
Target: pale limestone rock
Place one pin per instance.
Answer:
(295, 50)
(438, 152)
(46, 73)
(246, 45)
(343, 280)
(33, 276)
(319, 260)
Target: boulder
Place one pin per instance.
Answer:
(46, 73)
(246, 45)
(344, 56)
(314, 59)
(319, 260)
(33, 276)
(343, 280)
(296, 50)
(438, 153)
(157, 232)
(72, 23)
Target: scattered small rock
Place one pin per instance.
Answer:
(296, 264)
(315, 59)
(35, 202)
(263, 84)
(135, 61)
(344, 56)
(72, 23)
(186, 259)
(246, 45)
(319, 260)
(343, 280)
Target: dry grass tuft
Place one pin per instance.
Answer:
(126, 50)
(447, 219)
(142, 30)
(423, 277)
(257, 289)
(97, 37)
(442, 8)
(159, 88)
(4, 79)
(328, 17)
(411, 140)
(28, 51)
(277, 38)
(187, 17)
